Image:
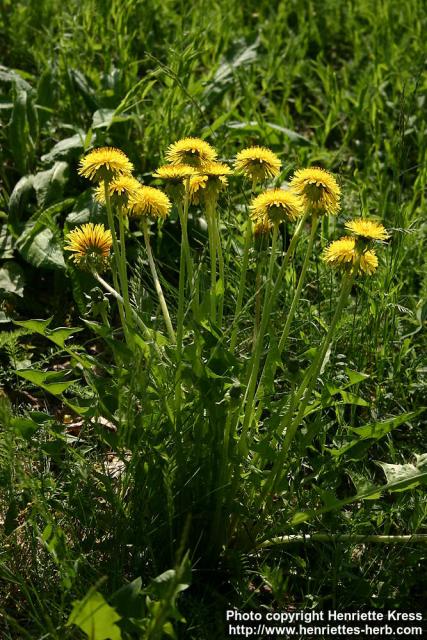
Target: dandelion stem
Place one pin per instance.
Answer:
(123, 268)
(119, 299)
(347, 538)
(210, 212)
(242, 282)
(157, 284)
(218, 245)
(117, 260)
(301, 280)
(303, 395)
(256, 357)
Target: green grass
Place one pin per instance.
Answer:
(342, 85)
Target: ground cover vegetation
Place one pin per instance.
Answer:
(213, 300)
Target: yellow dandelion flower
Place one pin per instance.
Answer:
(206, 188)
(215, 169)
(121, 190)
(344, 253)
(104, 163)
(275, 206)
(150, 201)
(367, 229)
(174, 172)
(257, 163)
(192, 151)
(318, 188)
(90, 245)
(196, 185)
(262, 227)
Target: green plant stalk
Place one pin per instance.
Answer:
(119, 299)
(304, 392)
(301, 281)
(157, 284)
(115, 268)
(183, 216)
(291, 314)
(180, 333)
(255, 360)
(347, 538)
(123, 268)
(215, 220)
(210, 211)
(242, 283)
(258, 290)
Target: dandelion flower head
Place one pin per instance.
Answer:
(192, 151)
(90, 245)
(367, 229)
(344, 253)
(318, 188)
(257, 163)
(121, 189)
(174, 172)
(105, 163)
(275, 206)
(150, 201)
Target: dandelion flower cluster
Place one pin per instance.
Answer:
(90, 245)
(275, 206)
(208, 182)
(192, 151)
(174, 172)
(257, 163)
(105, 163)
(121, 189)
(367, 229)
(344, 253)
(318, 189)
(150, 201)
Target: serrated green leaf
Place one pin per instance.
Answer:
(45, 380)
(95, 617)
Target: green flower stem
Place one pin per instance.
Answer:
(291, 314)
(275, 293)
(116, 266)
(215, 219)
(180, 333)
(347, 538)
(242, 282)
(157, 284)
(123, 268)
(256, 357)
(223, 480)
(301, 281)
(210, 212)
(183, 216)
(303, 395)
(120, 300)
(258, 288)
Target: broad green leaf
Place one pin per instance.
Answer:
(377, 430)
(66, 149)
(43, 250)
(19, 198)
(46, 380)
(95, 617)
(49, 185)
(25, 427)
(6, 244)
(12, 279)
(399, 478)
(374, 431)
(61, 334)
